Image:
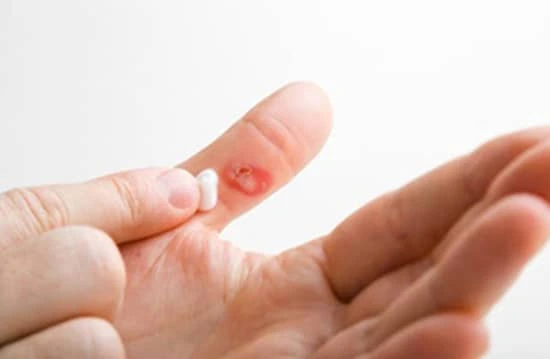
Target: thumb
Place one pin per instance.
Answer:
(127, 206)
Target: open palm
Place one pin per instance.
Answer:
(410, 275)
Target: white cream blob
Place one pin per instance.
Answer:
(208, 185)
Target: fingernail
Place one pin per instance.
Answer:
(179, 187)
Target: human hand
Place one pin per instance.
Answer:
(410, 275)
(62, 280)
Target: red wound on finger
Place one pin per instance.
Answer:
(248, 179)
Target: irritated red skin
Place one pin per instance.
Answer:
(247, 178)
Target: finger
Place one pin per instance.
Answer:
(480, 266)
(381, 293)
(127, 205)
(77, 338)
(264, 150)
(445, 336)
(65, 273)
(406, 224)
(526, 174)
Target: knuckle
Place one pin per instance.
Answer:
(39, 209)
(97, 339)
(129, 199)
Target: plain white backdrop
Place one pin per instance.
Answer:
(91, 87)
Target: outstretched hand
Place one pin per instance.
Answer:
(410, 275)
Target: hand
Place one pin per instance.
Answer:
(410, 275)
(61, 283)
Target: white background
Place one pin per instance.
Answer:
(90, 87)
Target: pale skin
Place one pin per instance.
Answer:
(126, 267)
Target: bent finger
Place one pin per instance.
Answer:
(479, 268)
(128, 205)
(408, 223)
(65, 273)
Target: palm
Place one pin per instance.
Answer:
(400, 278)
(190, 289)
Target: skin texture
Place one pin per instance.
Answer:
(247, 178)
(411, 274)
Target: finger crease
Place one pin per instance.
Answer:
(281, 149)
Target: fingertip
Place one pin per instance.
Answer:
(527, 218)
(531, 206)
(316, 121)
(304, 112)
(470, 334)
(153, 200)
(314, 94)
(181, 189)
